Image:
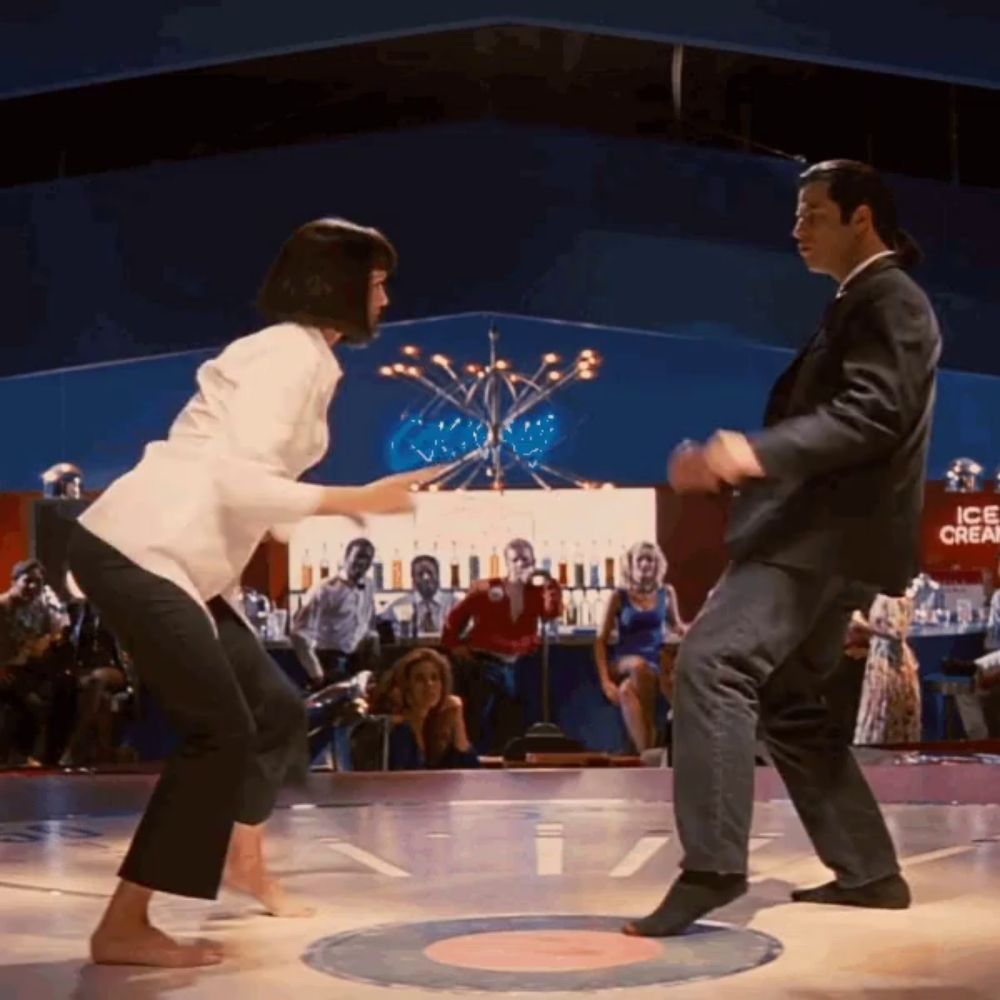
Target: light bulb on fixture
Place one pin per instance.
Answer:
(503, 365)
(411, 351)
(413, 371)
(440, 359)
(399, 368)
(551, 359)
(554, 376)
(387, 371)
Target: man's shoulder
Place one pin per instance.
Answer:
(890, 285)
(327, 590)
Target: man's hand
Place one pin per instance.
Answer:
(689, 472)
(730, 457)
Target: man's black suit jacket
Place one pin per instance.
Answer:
(844, 446)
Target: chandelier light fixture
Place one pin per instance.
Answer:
(494, 401)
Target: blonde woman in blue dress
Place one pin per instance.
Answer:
(643, 615)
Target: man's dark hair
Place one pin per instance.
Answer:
(24, 567)
(417, 560)
(852, 184)
(321, 277)
(359, 543)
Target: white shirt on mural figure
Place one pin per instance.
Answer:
(199, 502)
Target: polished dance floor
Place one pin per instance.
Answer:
(510, 883)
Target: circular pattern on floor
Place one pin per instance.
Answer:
(536, 954)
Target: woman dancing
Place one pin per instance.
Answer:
(161, 553)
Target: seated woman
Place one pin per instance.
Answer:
(644, 614)
(428, 729)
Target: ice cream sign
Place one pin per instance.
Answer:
(973, 524)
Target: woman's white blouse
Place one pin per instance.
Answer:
(199, 503)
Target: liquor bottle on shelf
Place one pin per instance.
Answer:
(324, 564)
(494, 562)
(594, 578)
(609, 566)
(473, 564)
(306, 572)
(595, 608)
(579, 578)
(378, 573)
(456, 581)
(563, 568)
(569, 611)
(397, 570)
(547, 564)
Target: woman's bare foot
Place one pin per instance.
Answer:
(246, 872)
(149, 946)
(126, 937)
(269, 893)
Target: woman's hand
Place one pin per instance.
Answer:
(394, 494)
(455, 725)
(388, 495)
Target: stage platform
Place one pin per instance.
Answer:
(510, 883)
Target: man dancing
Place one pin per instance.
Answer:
(830, 495)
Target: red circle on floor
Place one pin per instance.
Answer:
(543, 951)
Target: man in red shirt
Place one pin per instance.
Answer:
(504, 614)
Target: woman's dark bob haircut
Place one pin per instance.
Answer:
(321, 277)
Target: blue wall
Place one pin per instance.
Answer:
(653, 390)
(620, 232)
(50, 43)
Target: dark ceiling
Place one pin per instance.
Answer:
(604, 84)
